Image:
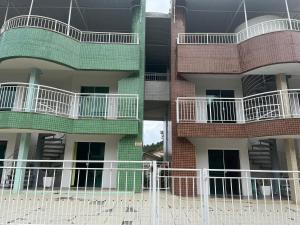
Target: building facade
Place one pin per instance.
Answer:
(72, 83)
(235, 86)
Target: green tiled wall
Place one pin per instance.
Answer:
(19, 120)
(131, 179)
(47, 45)
(130, 147)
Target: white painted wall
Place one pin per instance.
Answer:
(74, 80)
(222, 82)
(111, 146)
(204, 144)
(11, 139)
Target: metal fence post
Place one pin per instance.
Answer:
(205, 188)
(154, 219)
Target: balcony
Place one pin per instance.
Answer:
(94, 50)
(277, 113)
(237, 38)
(263, 44)
(67, 109)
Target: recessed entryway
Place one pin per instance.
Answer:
(3, 145)
(89, 151)
(223, 183)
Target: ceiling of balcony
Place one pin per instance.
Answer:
(92, 15)
(226, 15)
(157, 42)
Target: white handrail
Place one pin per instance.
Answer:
(24, 97)
(236, 38)
(264, 106)
(69, 31)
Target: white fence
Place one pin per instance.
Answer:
(235, 38)
(114, 192)
(264, 106)
(69, 31)
(23, 97)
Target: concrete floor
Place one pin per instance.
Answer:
(119, 208)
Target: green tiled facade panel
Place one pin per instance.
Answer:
(130, 147)
(19, 120)
(131, 179)
(51, 46)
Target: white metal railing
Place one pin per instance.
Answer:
(112, 192)
(149, 76)
(23, 97)
(264, 106)
(243, 35)
(69, 31)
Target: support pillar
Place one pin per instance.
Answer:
(292, 165)
(22, 155)
(34, 79)
(282, 85)
(246, 18)
(288, 14)
(30, 11)
(69, 17)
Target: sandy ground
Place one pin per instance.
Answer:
(119, 208)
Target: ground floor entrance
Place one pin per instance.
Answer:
(222, 182)
(89, 173)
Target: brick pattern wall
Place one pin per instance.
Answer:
(32, 121)
(183, 152)
(263, 50)
(47, 45)
(250, 130)
(130, 147)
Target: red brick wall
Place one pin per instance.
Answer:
(183, 152)
(255, 129)
(263, 50)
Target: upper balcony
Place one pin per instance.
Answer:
(52, 40)
(266, 114)
(237, 37)
(79, 34)
(38, 107)
(263, 44)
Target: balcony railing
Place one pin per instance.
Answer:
(23, 97)
(69, 31)
(123, 192)
(265, 106)
(236, 38)
(156, 76)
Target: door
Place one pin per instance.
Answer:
(3, 145)
(89, 151)
(93, 105)
(221, 110)
(223, 182)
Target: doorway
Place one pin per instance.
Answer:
(221, 106)
(91, 104)
(3, 145)
(222, 183)
(89, 151)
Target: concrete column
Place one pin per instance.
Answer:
(25, 140)
(275, 166)
(22, 155)
(34, 79)
(292, 165)
(281, 83)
